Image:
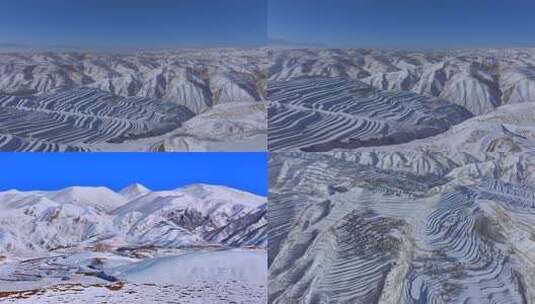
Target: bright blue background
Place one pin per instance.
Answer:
(404, 23)
(157, 171)
(152, 23)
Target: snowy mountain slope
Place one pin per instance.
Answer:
(322, 114)
(90, 101)
(82, 118)
(187, 216)
(101, 198)
(509, 128)
(196, 243)
(248, 267)
(224, 128)
(479, 80)
(395, 227)
(495, 86)
(134, 191)
(195, 215)
(37, 223)
(196, 78)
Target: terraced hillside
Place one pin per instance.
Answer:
(495, 86)
(479, 80)
(322, 114)
(236, 126)
(401, 228)
(509, 128)
(81, 119)
(196, 78)
(131, 101)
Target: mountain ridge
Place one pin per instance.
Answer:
(75, 216)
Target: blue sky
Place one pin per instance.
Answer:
(404, 23)
(102, 23)
(352, 23)
(157, 171)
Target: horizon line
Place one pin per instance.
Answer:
(273, 42)
(131, 184)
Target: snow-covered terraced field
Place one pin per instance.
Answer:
(236, 126)
(132, 101)
(195, 78)
(76, 119)
(479, 80)
(378, 227)
(323, 114)
(495, 86)
(509, 128)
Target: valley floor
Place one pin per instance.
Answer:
(138, 293)
(169, 277)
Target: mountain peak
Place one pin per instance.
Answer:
(200, 190)
(134, 190)
(101, 197)
(220, 192)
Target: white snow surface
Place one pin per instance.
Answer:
(245, 266)
(195, 244)
(83, 216)
(236, 126)
(134, 190)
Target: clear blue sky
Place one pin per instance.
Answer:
(103, 23)
(404, 23)
(158, 171)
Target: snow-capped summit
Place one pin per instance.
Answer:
(211, 192)
(134, 190)
(98, 197)
(198, 210)
(9, 196)
(194, 215)
(206, 200)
